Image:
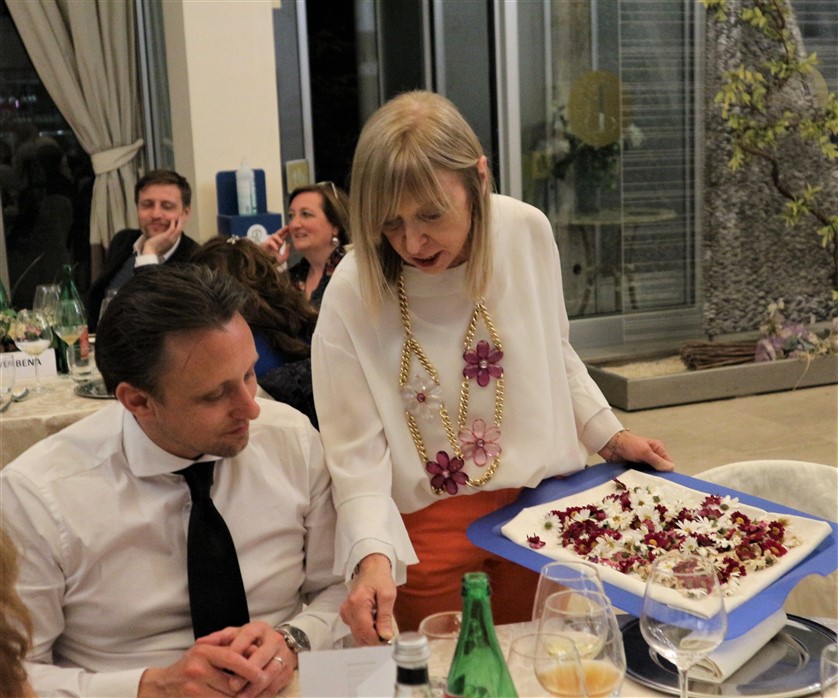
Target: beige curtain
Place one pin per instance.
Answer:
(85, 54)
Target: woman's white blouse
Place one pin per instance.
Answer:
(554, 413)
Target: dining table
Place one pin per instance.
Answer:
(441, 653)
(39, 415)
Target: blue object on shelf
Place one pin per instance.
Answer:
(256, 226)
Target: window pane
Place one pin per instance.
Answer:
(610, 161)
(47, 179)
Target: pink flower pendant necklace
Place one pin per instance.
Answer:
(479, 442)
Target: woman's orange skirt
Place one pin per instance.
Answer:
(438, 534)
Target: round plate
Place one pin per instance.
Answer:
(94, 389)
(788, 665)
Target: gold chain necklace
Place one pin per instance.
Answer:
(411, 346)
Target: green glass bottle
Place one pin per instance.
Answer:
(68, 291)
(478, 669)
(5, 303)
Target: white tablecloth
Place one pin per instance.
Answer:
(506, 633)
(27, 422)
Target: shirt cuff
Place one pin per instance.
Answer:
(116, 683)
(600, 429)
(143, 260)
(369, 546)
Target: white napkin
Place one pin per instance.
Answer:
(728, 657)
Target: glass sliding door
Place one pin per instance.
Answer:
(600, 110)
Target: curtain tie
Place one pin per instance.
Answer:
(114, 158)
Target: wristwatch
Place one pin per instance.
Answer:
(295, 638)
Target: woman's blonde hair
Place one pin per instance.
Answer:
(15, 624)
(401, 149)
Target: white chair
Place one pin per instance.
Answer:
(808, 487)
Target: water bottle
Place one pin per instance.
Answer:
(246, 190)
(411, 655)
(478, 669)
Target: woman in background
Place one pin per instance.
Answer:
(444, 378)
(15, 626)
(280, 317)
(318, 228)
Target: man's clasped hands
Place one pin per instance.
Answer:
(252, 661)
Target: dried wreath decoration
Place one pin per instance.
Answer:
(630, 527)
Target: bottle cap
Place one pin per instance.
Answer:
(411, 650)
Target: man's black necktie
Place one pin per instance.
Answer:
(216, 591)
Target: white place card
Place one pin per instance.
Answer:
(363, 672)
(25, 364)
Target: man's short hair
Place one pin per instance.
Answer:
(164, 177)
(159, 301)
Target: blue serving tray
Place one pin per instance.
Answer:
(486, 533)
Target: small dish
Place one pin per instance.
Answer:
(787, 666)
(93, 389)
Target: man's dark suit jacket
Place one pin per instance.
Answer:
(122, 247)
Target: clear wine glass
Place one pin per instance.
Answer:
(587, 619)
(7, 380)
(46, 301)
(683, 617)
(32, 335)
(562, 576)
(545, 661)
(70, 321)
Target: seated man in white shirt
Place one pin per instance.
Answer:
(163, 199)
(102, 511)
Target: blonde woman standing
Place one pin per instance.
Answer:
(443, 376)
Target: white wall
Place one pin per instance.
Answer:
(222, 86)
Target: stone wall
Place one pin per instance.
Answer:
(750, 257)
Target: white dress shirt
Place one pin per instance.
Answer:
(102, 518)
(554, 413)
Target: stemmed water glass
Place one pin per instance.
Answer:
(70, 322)
(561, 576)
(587, 618)
(46, 301)
(32, 335)
(683, 617)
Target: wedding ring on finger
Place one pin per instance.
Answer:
(277, 658)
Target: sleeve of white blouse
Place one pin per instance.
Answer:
(357, 453)
(595, 421)
(323, 591)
